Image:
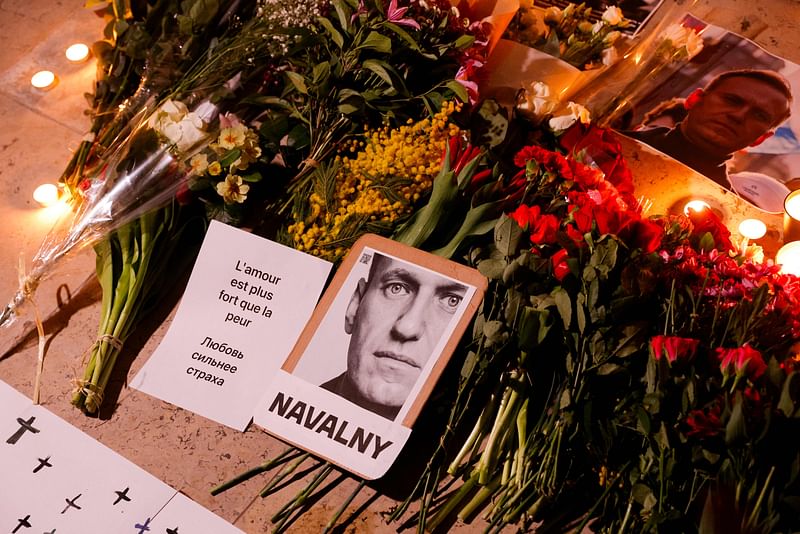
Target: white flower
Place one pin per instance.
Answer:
(174, 121)
(576, 113)
(609, 56)
(537, 101)
(682, 37)
(232, 189)
(199, 163)
(694, 44)
(613, 15)
(232, 137)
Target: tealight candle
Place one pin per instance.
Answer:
(46, 194)
(44, 79)
(695, 205)
(788, 257)
(751, 229)
(791, 217)
(77, 52)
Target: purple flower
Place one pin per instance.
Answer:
(395, 14)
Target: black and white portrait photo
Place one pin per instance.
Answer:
(395, 319)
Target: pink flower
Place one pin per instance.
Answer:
(673, 347)
(745, 360)
(395, 14)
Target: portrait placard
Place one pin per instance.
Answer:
(246, 303)
(729, 114)
(370, 356)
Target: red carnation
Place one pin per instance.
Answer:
(673, 348)
(743, 360)
(560, 265)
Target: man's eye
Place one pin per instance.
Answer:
(451, 302)
(396, 289)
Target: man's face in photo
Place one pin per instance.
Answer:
(734, 114)
(395, 320)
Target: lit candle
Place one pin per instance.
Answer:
(751, 229)
(77, 53)
(46, 194)
(791, 217)
(44, 79)
(695, 205)
(788, 257)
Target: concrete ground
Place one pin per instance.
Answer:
(184, 450)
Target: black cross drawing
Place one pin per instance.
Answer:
(143, 528)
(51, 532)
(43, 462)
(172, 530)
(24, 426)
(122, 496)
(71, 504)
(22, 523)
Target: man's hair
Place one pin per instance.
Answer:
(770, 77)
(377, 261)
(673, 108)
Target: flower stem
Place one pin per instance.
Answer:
(250, 473)
(343, 507)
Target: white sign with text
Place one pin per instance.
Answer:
(60, 480)
(246, 304)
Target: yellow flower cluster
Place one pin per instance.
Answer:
(377, 183)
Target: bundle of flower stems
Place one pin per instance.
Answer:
(136, 260)
(131, 263)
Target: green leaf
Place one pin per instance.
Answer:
(269, 101)
(735, 430)
(565, 400)
(564, 305)
(343, 12)
(378, 42)
(230, 157)
(478, 221)
(320, 73)
(609, 369)
(643, 419)
(464, 41)
(252, 178)
(790, 396)
(199, 184)
(533, 328)
(403, 35)
(202, 11)
(379, 68)
(458, 89)
(662, 438)
(422, 224)
(336, 37)
(297, 81)
(581, 312)
(706, 242)
(494, 332)
(297, 138)
(492, 268)
(347, 108)
(507, 235)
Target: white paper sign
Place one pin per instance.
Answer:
(61, 481)
(246, 303)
